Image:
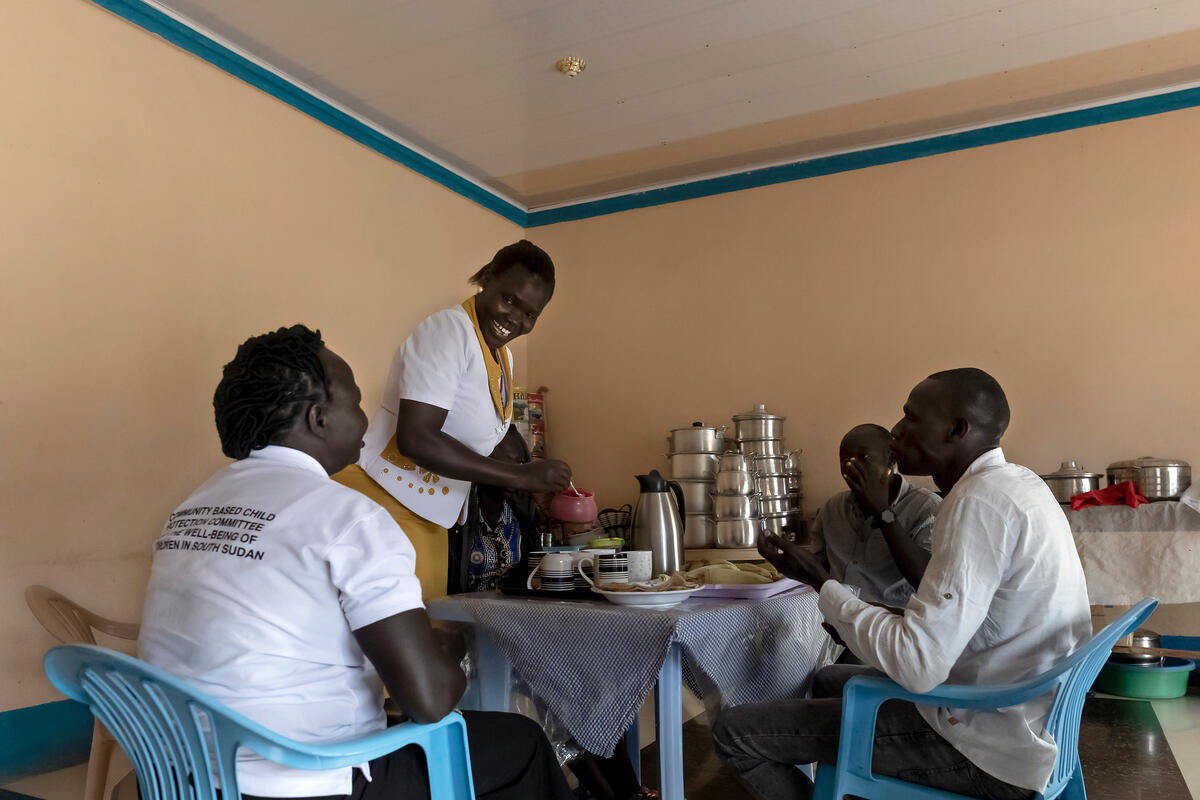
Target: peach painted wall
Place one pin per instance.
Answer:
(157, 212)
(1065, 265)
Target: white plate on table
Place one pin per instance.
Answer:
(663, 599)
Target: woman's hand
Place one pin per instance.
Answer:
(550, 475)
(419, 436)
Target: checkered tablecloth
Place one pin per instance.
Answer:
(593, 663)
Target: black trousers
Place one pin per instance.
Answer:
(510, 760)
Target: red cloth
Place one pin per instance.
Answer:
(1121, 494)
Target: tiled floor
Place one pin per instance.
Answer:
(1129, 749)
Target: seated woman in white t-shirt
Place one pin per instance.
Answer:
(446, 405)
(293, 599)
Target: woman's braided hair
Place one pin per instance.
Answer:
(273, 378)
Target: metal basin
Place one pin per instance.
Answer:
(697, 495)
(693, 466)
(735, 506)
(737, 532)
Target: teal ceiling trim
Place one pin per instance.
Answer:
(179, 34)
(218, 55)
(860, 159)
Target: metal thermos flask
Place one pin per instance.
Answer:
(658, 522)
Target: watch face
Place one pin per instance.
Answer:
(888, 516)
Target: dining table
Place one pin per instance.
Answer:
(592, 663)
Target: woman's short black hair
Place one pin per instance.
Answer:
(524, 253)
(273, 378)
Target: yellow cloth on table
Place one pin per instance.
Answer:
(428, 538)
(728, 572)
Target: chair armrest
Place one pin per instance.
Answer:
(344, 753)
(118, 630)
(874, 691)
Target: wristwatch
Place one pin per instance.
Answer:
(885, 517)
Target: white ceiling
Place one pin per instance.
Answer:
(473, 81)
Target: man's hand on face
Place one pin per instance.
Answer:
(792, 560)
(870, 482)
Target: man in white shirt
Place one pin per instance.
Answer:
(1002, 600)
(293, 599)
(876, 536)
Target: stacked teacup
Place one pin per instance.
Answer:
(735, 502)
(693, 453)
(554, 570)
(598, 567)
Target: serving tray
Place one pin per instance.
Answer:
(749, 591)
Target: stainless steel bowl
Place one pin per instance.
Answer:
(759, 428)
(758, 424)
(774, 505)
(698, 438)
(697, 495)
(1070, 480)
(762, 447)
(771, 485)
(769, 465)
(736, 532)
(699, 530)
(1142, 637)
(775, 522)
(735, 506)
(733, 481)
(733, 460)
(1154, 478)
(693, 466)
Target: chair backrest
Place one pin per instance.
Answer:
(179, 739)
(70, 622)
(1075, 677)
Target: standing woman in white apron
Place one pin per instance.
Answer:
(448, 403)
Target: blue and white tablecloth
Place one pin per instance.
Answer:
(593, 663)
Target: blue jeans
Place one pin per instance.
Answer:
(762, 742)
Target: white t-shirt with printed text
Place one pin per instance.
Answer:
(259, 580)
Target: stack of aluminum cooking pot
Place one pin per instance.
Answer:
(776, 472)
(736, 502)
(693, 454)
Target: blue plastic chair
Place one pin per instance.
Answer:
(172, 733)
(1070, 680)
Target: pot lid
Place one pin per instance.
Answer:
(758, 412)
(700, 426)
(1144, 637)
(1149, 461)
(1069, 469)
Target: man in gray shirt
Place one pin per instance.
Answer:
(875, 537)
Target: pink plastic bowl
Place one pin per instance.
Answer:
(570, 507)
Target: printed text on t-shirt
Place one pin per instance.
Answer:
(228, 530)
